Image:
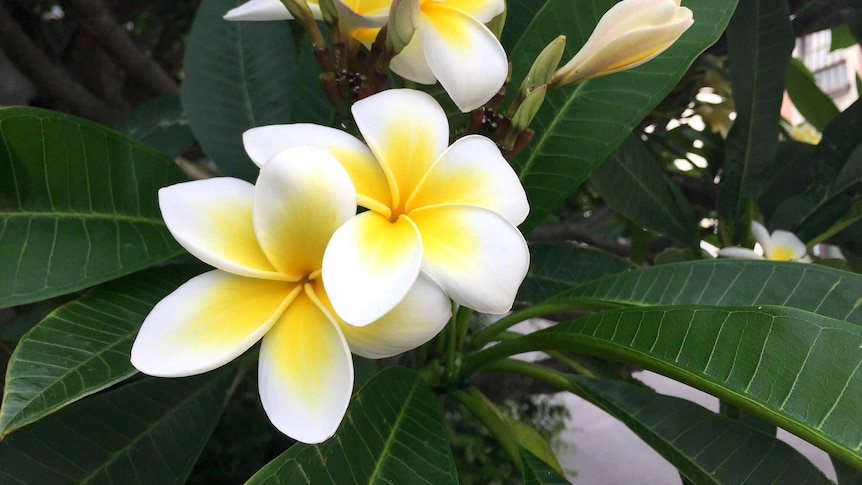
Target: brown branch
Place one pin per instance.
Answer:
(583, 231)
(96, 19)
(52, 79)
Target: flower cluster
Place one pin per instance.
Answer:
(361, 245)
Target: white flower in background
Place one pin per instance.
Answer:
(780, 246)
(268, 241)
(631, 33)
(450, 44)
(446, 211)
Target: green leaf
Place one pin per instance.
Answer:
(556, 266)
(537, 472)
(760, 40)
(529, 439)
(793, 179)
(83, 347)
(78, 205)
(813, 104)
(705, 447)
(842, 37)
(159, 123)
(580, 126)
(393, 433)
(632, 183)
(728, 282)
(846, 474)
(796, 369)
(832, 187)
(151, 431)
(245, 74)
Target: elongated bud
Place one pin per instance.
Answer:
(629, 34)
(528, 109)
(544, 65)
(403, 17)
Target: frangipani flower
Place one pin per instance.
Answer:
(629, 34)
(451, 43)
(267, 242)
(780, 246)
(448, 212)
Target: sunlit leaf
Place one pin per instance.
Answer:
(393, 433)
(813, 104)
(825, 291)
(78, 205)
(796, 369)
(151, 431)
(537, 472)
(83, 347)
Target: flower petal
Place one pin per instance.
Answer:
(305, 372)
(410, 63)
(407, 130)
(786, 246)
(264, 142)
(477, 256)
(369, 266)
(739, 253)
(761, 235)
(261, 10)
(463, 54)
(362, 14)
(417, 319)
(482, 10)
(472, 171)
(207, 322)
(302, 195)
(212, 220)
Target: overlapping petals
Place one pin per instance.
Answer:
(450, 43)
(779, 246)
(267, 243)
(445, 213)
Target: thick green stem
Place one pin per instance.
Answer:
(490, 332)
(536, 371)
(492, 418)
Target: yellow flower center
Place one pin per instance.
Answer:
(781, 253)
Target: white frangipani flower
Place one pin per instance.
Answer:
(450, 43)
(780, 246)
(445, 211)
(267, 242)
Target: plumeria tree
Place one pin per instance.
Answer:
(388, 188)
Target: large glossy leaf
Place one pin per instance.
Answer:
(707, 448)
(151, 431)
(555, 267)
(796, 369)
(83, 347)
(393, 433)
(813, 104)
(825, 291)
(537, 472)
(245, 74)
(760, 40)
(78, 205)
(631, 181)
(159, 123)
(579, 126)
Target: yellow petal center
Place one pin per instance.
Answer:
(781, 253)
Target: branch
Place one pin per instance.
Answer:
(583, 231)
(49, 77)
(96, 19)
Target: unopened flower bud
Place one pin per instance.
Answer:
(403, 17)
(629, 34)
(544, 65)
(528, 109)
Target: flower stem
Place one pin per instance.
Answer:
(490, 332)
(488, 414)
